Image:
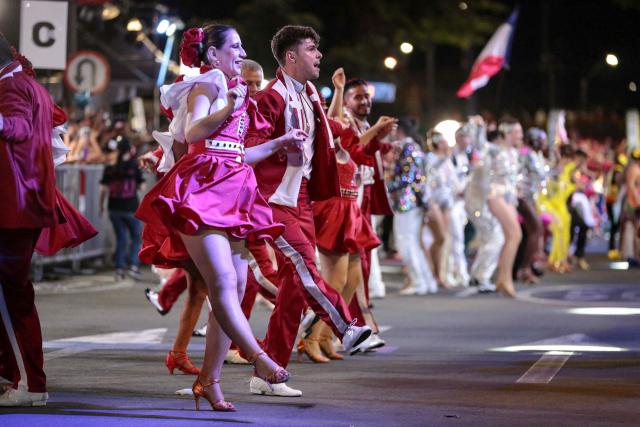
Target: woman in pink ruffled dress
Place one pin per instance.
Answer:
(205, 207)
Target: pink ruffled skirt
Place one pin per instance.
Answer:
(210, 190)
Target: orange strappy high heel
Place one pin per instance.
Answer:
(280, 375)
(179, 360)
(199, 391)
(311, 347)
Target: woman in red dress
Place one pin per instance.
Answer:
(208, 204)
(342, 231)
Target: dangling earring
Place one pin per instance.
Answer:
(216, 63)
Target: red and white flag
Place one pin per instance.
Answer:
(493, 58)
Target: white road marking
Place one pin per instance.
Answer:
(75, 345)
(147, 336)
(566, 343)
(543, 371)
(556, 353)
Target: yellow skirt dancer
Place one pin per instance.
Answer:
(555, 202)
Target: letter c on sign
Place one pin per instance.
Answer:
(48, 40)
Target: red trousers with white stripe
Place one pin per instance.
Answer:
(171, 291)
(299, 283)
(262, 277)
(20, 335)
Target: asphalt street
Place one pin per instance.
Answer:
(566, 352)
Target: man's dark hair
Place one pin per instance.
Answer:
(566, 150)
(289, 37)
(494, 135)
(581, 153)
(355, 82)
(6, 52)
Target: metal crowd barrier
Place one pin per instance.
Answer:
(80, 184)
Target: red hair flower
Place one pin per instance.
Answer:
(191, 46)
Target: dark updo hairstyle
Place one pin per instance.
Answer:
(288, 37)
(216, 36)
(197, 41)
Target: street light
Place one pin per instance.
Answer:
(134, 25)
(110, 12)
(633, 87)
(171, 30)
(163, 26)
(390, 62)
(406, 48)
(612, 60)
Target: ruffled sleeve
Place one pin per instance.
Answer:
(174, 97)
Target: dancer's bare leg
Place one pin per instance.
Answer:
(437, 223)
(334, 269)
(507, 215)
(196, 293)
(354, 278)
(223, 266)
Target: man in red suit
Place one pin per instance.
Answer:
(374, 201)
(29, 200)
(290, 181)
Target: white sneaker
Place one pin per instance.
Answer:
(374, 341)
(152, 297)
(22, 397)
(486, 287)
(233, 357)
(370, 344)
(260, 386)
(202, 332)
(354, 335)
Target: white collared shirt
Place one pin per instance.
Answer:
(307, 122)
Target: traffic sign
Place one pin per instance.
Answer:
(87, 70)
(43, 33)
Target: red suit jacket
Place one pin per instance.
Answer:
(27, 180)
(323, 183)
(378, 204)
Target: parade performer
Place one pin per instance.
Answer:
(532, 180)
(208, 204)
(490, 202)
(503, 200)
(372, 198)
(631, 210)
(343, 233)
(36, 216)
(410, 198)
(559, 189)
(442, 182)
(290, 182)
(457, 269)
